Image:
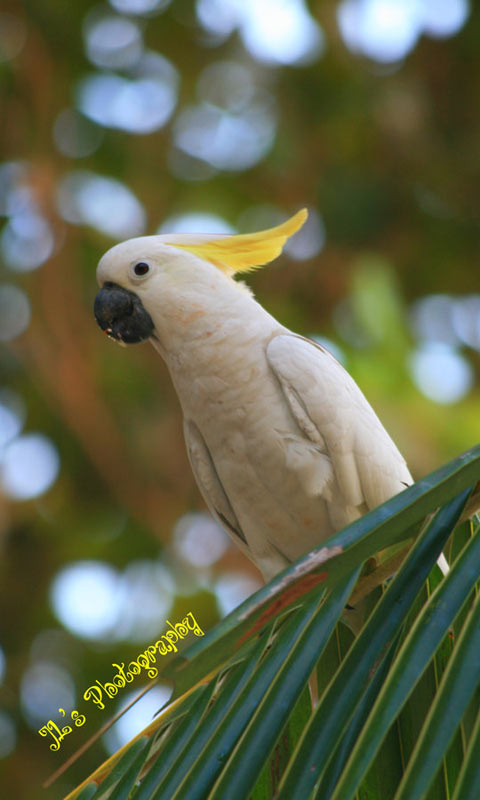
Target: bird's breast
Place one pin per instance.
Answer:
(272, 475)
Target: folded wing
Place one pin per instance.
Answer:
(331, 411)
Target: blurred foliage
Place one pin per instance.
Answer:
(387, 154)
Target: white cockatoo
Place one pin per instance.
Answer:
(284, 446)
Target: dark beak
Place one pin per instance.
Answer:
(121, 315)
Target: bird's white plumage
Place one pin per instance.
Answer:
(283, 444)
(325, 401)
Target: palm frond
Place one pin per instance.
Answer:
(398, 710)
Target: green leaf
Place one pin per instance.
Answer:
(341, 754)
(232, 684)
(459, 682)
(211, 761)
(229, 735)
(125, 771)
(341, 697)
(87, 792)
(246, 761)
(469, 778)
(414, 655)
(140, 750)
(177, 740)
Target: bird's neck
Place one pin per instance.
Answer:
(199, 333)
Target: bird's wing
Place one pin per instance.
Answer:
(330, 409)
(209, 483)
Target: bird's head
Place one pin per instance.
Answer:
(141, 277)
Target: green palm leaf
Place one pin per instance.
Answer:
(397, 715)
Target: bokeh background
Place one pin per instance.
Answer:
(139, 116)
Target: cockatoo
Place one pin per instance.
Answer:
(284, 446)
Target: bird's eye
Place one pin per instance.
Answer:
(141, 268)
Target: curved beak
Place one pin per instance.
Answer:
(121, 315)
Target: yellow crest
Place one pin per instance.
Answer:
(246, 251)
